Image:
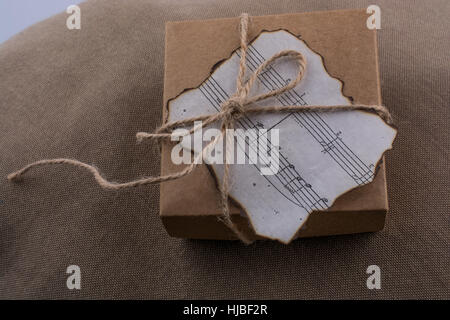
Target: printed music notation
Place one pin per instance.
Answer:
(368, 175)
(333, 145)
(294, 188)
(304, 197)
(331, 142)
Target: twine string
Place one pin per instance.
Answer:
(239, 105)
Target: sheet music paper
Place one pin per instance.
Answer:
(321, 155)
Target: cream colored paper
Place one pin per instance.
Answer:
(321, 155)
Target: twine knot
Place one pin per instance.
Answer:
(234, 108)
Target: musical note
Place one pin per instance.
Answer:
(294, 187)
(329, 145)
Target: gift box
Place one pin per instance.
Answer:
(189, 206)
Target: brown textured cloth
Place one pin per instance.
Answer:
(84, 94)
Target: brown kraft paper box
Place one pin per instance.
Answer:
(189, 207)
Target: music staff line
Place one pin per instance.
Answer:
(345, 164)
(308, 199)
(365, 169)
(299, 100)
(318, 128)
(312, 131)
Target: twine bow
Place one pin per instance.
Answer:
(239, 105)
